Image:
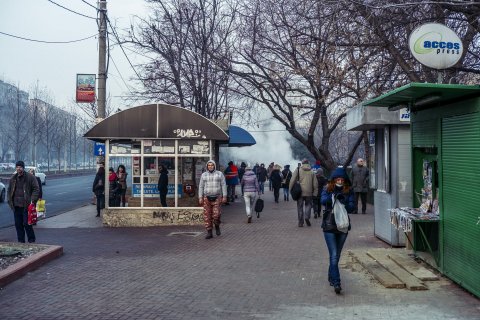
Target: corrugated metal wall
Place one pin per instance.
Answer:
(424, 133)
(460, 205)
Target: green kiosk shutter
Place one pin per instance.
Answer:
(461, 200)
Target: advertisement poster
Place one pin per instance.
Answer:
(150, 190)
(85, 88)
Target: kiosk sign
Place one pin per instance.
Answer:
(435, 45)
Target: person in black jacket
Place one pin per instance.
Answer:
(276, 179)
(40, 192)
(163, 184)
(322, 181)
(99, 189)
(286, 176)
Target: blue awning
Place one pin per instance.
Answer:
(240, 137)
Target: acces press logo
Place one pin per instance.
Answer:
(432, 41)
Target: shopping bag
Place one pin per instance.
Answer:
(41, 210)
(32, 214)
(341, 216)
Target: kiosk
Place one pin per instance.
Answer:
(389, 169)
(445, 139)
(143, 138)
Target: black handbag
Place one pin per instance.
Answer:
(328, 223)
(296, 191)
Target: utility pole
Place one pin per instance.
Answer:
(102, 53)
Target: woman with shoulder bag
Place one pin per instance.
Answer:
(337, 189)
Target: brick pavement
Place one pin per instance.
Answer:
(270, 269)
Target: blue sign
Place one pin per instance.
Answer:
(99, 149)
(150, 190)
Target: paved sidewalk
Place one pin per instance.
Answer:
(270, 269)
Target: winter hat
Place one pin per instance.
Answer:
(20, 164)
(243, 164)
(277, 167)
(340, 172)
(305, 161)
(287, 166)
(319, 172)
(317, 162)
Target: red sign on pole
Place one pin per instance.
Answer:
(85, 88)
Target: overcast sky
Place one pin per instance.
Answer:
(55, 66)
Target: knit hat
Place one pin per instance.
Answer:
(20, 163)
(340, 172)
(305, 161)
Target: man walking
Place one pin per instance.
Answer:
(212, 192)
(309, 184)
(22, 190)
(360, 179)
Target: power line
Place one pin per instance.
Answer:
(80, 14)
(121, 47)
(91, 5)
(43, 41)
(121, 77)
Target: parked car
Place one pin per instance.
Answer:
(38, 173)
(3, 192)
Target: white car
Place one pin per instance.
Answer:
(3, 192)
(38, 173)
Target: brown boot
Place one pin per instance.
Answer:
(209, 234)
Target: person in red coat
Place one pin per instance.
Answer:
(231, 178)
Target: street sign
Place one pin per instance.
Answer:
(99, 149)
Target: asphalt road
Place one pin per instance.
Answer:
(61, 195)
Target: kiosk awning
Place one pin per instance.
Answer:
(240, 137)
(418, 96)
(157, 121)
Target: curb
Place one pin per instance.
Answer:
(30, 263)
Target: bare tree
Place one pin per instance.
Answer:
(391, 22)
(287, 59)
(180, 37)
(17, 133)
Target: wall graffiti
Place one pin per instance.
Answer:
(178, 217)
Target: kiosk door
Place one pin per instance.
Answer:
(461, 199)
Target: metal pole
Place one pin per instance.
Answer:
(102, 53)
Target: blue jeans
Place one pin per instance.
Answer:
(304, 213)
(335, 242)
(285, 193)
(21, 225)
(261, 184)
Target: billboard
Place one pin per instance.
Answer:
(85, 88)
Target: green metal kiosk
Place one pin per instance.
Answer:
(445, 140)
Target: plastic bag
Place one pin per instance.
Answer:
(32, 214)
(41, 210)
(341, 216)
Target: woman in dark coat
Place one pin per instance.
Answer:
(286, 176)
(122, 184)
(276, 179)
(99, 189)
(339, 187)
(163, 184)
(112, 188)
